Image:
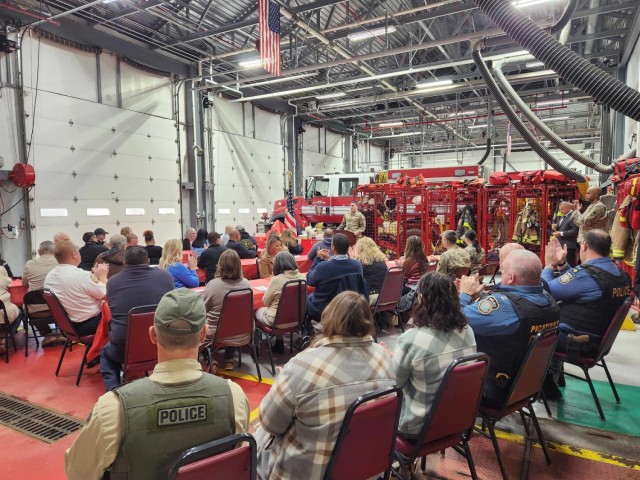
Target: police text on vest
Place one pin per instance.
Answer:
(178, 415)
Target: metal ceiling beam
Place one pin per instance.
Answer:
(128, 11)
(632, 39)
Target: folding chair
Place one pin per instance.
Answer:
(6, 327)
(235, 326)
(140, 355)
(218, 459)
(68, 329)
(586, 363)
(289, 316)
(452, 415)
(390, 293)
(490, 269)
(462, 271)
(31, 299)
(523, 393)
(365, 444)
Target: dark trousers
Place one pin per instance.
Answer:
(42, 325)
(111, 359)
(571, 257)
(89, 327)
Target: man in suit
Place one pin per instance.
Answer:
(566, 231)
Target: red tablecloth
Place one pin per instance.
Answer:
(259, 287)
(307, 244)
(17, 291)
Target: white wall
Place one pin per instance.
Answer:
(322, 151)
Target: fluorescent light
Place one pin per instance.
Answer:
(534, 65)
(261, 210)
(460, 114)
(98, 212)
(529, 3)
(554, 119)
(391, 124)
(476, 126)
(374, 32)
(253, 63)
(330, 95)
(134, 211)
(405, 134)
(550, 102)
(54, 212)
(438, 83)
(166, 211)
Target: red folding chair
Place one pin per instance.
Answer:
(235, 326)
(68, 330)
(586, 363)
(523, 393)
(218, 459)
(390, 293)
(452, 416)
(6, 327)
(140, 355)
(364, 446)
(289, 316)
(31, 299)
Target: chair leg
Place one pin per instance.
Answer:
(400, 324)
(543, 397)
(496, 447)
(469, 457)
(6, 345)
(290, 343)
(593, 393)
(64, 350)
(25, 324)
(536, 425)
(273, 366)
(239, 357)
(524, 423)
(207, 353)
(84, 361)
(613, 385)
(255, 359)
(13, 341)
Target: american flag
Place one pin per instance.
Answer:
(509, 138)
(289, 217)
(269, 26)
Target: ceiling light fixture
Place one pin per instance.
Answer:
(374, 32)
(477, 126)
(534, 64)
(253, 63)
(462, 114)
(330, 95)
(529, 3)
(550, 102)
(437, 83)
(554, 119)
(391, 124)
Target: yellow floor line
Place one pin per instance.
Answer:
(575, 452)
(253, 415)
(244, 376)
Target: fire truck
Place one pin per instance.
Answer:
(327, 197)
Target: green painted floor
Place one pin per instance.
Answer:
(578, 407)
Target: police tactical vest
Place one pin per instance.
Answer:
(507, 351)
(162, 421)
(594, 316)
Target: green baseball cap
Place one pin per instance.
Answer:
(181, 304)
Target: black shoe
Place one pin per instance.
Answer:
(550, 389)
(561, 381)
(278, 347)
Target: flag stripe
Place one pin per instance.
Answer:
(269, 26)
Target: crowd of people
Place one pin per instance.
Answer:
(451, 315)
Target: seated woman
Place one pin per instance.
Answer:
(423, 354)
(285, 269)
(154, 251)
(475, 251)
(265, 264)
(374, 266)
(189, 237)
(13, 312)
(415, 263)
(200, 243)
(290, 242)
(301, 415)
(228, 277)
(171, 261)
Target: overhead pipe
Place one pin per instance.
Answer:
(519, 125)
(572, 67)
(486, 152)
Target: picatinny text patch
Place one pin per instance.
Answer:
(488, 305)
(178, 415)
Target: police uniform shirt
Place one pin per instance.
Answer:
(97, 446)
(575, 283)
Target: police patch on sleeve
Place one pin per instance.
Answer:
(567, 277)
(488, 305)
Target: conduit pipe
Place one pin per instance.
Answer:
(519, 125)
(571, 66)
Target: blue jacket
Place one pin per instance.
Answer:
(182, 276)
(576, 284)
(324, 243)
(325, 277)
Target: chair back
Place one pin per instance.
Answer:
(60, 315)
(462, 271)
(432, 267)
(140, 355)
(488, 269)
(218, 459)
(455, 405)
(291, 307)
(236, 319)
(258, 268)
(34, 297)
(611, 333)
(5, 324)
(391, 290)
(528, 381)
(367, 438)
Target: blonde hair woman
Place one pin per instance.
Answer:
(265, 264)
(289, 241)
(171, 261)
(374, 265)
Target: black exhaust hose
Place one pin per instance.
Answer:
(515, 120)
(542, 127)
(569, 65)
(486, 152)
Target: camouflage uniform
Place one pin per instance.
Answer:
(354, 222)
(452, 259)
(595, 216)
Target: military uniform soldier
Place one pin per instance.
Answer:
(139, 429)
(454, 258)
(354, 221)
(594, 217)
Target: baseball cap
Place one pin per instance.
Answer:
(88, 236)
(239, 227)
(100, 231)
(181, 304)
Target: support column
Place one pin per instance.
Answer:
(347, 148)
(387, 155)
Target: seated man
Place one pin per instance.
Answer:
(505, 321)
(80, 292)
(590, 293)
(137, 285)
(248, 241)
(326, 273)
(234, 244)
(208, 260)
(35, 271)
(140, 429)
(454, 257)
(90, 251)
(114, 257)
(324, 244)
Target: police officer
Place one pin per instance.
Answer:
(139, 429)
(453, 258)
(590, 293)
(505, 321)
